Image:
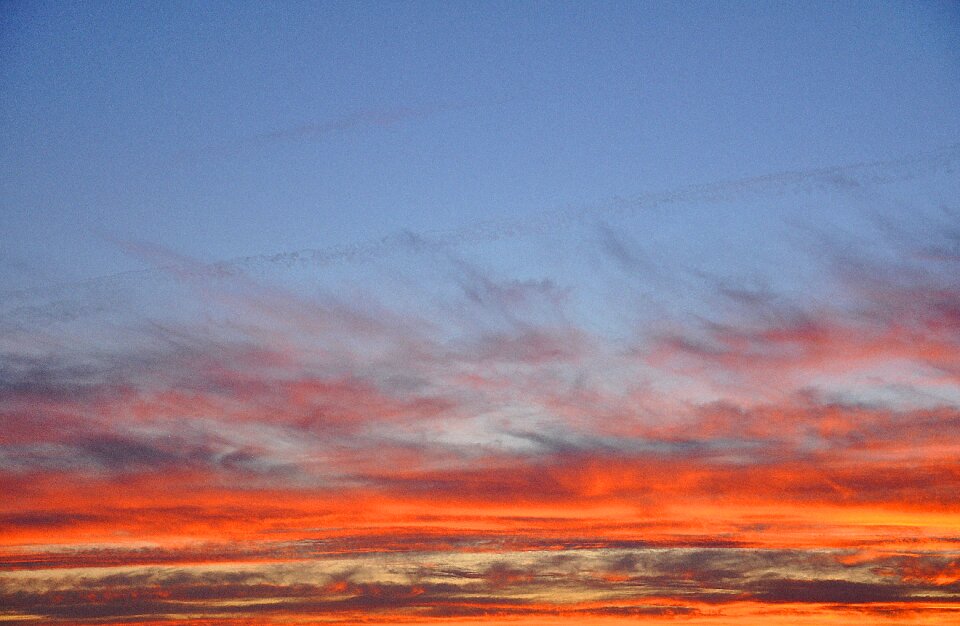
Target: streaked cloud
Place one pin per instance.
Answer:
(461, 436)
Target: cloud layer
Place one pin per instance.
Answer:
(602, 427)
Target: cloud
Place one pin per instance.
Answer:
(575, 585)
(318, 131)
(487, 444)
(27, 309)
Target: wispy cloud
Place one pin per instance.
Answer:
(492, 442)
(384, 117)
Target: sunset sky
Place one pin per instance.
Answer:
(480, 313)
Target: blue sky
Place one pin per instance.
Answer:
(221, 130)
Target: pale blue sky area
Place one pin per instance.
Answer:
(220, 130)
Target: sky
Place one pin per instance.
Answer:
(466, 313)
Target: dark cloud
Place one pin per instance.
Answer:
(502, 588)
(833, 591)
